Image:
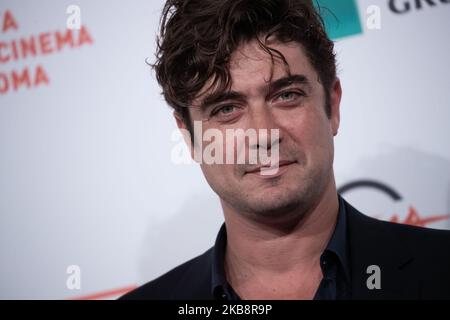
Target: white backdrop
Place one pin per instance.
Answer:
(86, 176)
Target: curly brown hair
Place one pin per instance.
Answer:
(197, 38)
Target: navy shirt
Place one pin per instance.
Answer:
(334, 262)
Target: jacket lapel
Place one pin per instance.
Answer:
(373, 242)
(195, 282)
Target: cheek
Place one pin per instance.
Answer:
(217, 173)
(309, 131)
(299, 124)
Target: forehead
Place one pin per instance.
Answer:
(250, 57)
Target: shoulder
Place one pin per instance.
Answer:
(415, 261)
(425, 244)
(416, 238)
(430, 247)
(190, 280)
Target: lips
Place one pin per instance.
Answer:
(280, 164)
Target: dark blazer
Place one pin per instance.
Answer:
(414, 264)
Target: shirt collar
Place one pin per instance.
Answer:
(337, 244)
(219, 280)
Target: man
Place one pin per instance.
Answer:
(269, 65)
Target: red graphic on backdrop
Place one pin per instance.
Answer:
(32, 46)
(106, 294)
(414, 219)
(8, 22)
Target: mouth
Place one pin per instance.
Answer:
(270, 170)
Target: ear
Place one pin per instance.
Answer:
(179, 121)
(184, 131)
(335, 102)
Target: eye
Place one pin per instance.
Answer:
(288, 96)
(223, 111)
(226, 109)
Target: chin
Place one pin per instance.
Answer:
(275, 206)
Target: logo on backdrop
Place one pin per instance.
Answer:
(412, 218)
(16, 50)
(342, 18)
(407, 6)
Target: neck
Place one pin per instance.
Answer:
(256, 248)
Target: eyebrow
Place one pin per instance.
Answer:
(288, 81)
(216, 98)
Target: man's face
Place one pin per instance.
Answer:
(296, 109)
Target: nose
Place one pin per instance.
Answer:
(267, 131)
